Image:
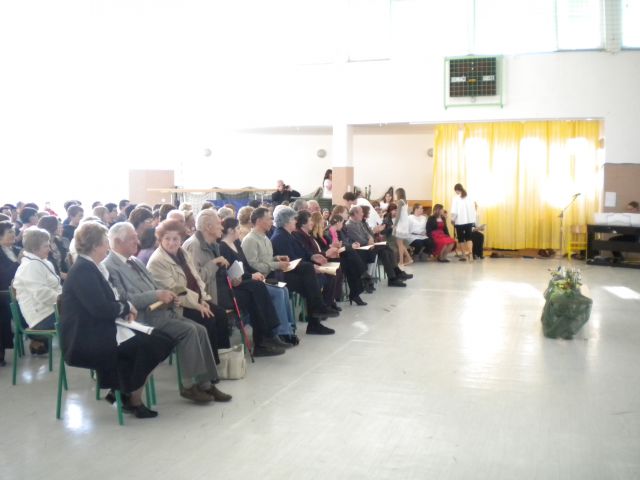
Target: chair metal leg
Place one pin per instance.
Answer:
(147, 394)
(171, 358)
(119, 407)
(15, 363)
(50, 343)
(62, 381)
(180, 387)
(153, 390)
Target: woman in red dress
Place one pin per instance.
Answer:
(437, 230)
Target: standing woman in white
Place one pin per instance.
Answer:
(463, 216)
(401, 228)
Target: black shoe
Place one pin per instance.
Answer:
(316, 328)
(396, 282)
(335, 306)
(141, 411)
(369, 288)
(290, 339)
(357, 300)
(275, 342)
(267, 351)
(443, 260)
(405, 276)
(324, 312)
(111, 398)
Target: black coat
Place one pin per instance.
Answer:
(7, 268)
(89, 311)
(278, 197)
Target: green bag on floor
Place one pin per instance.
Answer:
(566, 309)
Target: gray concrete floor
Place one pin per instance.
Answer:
(449, 378)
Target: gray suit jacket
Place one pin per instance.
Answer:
(135, 286)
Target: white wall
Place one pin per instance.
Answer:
(570, 85)
(382, 156)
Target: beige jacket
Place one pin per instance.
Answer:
(202, 255)
(169, 275)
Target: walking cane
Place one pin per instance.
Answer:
(245, 340)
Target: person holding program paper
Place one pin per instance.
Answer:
(259, 253)
(90, 337)
(135, 284)
(231, 249)
(252, 295)
(329, 281)
(357, 235)
(173, 269)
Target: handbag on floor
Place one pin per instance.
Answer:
(233, 364)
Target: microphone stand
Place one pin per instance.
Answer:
(561, 217)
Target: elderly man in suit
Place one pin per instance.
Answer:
(134, 283)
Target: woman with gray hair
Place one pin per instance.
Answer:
(37, 286)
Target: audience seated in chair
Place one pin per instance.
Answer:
(172, 269)
(357, 234)
(37, 286)
(135, 284)
(9, 263)
(259, 252)
(251, 294)
(122, 358)
(231, 249)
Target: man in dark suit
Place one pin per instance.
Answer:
(135, 284)
(283, 193)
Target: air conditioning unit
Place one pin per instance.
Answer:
(473, 80)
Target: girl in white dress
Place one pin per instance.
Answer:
(401, 228)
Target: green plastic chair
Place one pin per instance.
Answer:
(62, 382)
(20, 332)
(299, 305)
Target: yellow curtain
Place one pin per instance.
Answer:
(521, 175)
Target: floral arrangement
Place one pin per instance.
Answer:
(566, 309)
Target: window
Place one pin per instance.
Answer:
(579, 24)
(631, 23)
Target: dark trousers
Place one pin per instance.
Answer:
(217, 327)
(478, 244)
(353, 267)
(385, 256)
(254, 298)
(137, 357)
(303, 280)
(423, 245)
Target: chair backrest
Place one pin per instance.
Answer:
(16, 314)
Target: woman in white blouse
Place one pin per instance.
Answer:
(37, 285)
(418, 231)
(463, 216)
(327, 184)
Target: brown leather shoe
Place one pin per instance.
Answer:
(196, 395)
(217, 395)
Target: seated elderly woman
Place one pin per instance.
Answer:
(59, 248)
(302, 233)
(231, 250)
(91, 338)
(37, 286)
(252, 295)
(8, 265)
(173, 269)
(302, 279)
